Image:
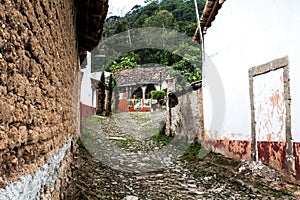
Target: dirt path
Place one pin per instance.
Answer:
(212, 177)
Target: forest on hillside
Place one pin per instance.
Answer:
(173, 14)
(176, 15)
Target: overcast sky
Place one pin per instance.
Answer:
(121, 7)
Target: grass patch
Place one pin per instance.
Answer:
(80, 143)
(87, 132)
(192, 153)
(259, 184)
(281, 193)
(126, 143)
(84, 153)
(225, 161)
(161, 138)
(142, 117)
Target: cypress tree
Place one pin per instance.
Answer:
(101, 94)
(111, 85)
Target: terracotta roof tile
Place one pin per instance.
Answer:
(208, 16)
(141, 75)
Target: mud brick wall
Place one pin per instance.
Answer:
(39, 71)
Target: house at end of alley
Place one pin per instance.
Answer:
(133, 88)
(252, 52)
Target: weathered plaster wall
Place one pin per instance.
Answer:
(296, 152)
(88, 95)
(237, 149)
(251, 42)
(269, 86)
(270, 34)
(39, 84)
(186, 117)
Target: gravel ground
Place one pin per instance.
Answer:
(141, 170)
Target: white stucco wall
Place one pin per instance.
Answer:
(246, 34)
(87, 96)
(269, 104)
(163, 85)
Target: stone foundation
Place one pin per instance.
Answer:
(47, 182)
(39, 92)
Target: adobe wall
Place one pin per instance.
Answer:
(39, 83)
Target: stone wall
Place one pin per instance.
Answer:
(186, 118)
(39, 100)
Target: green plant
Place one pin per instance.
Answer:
(127, 61)
(281, 192)
(80, 143)
(192, 153)
(161, 138)
(190, 66)
(158, 94)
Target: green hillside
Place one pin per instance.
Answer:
(177, 15)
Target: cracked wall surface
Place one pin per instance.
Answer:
(263, 112)
(44, 183)
(39, 83)
(186, 118)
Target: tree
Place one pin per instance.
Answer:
(188, 71)
(120, 26)
(182, 11)
(190, 66)
(116, 97)
(139, 22)
(187, 27)
(101, 94)
(147, 1)
(178, 15)
(162, 18)
(111, 85)
(128, 61)
(110, 26)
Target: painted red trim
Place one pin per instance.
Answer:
(272, 153)
(122, 107)
(85, 111)
(238, 149)
(296, 153)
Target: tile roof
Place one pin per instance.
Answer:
(141, 75)
(90, 21)
(208, 16)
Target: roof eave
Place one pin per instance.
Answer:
(209, 14)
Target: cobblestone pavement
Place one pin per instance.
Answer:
(211, 177)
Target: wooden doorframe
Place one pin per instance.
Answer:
(260, 70)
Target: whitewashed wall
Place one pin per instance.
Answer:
(269, 104)
(87, 96)
(49, 175)
(246, 34)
